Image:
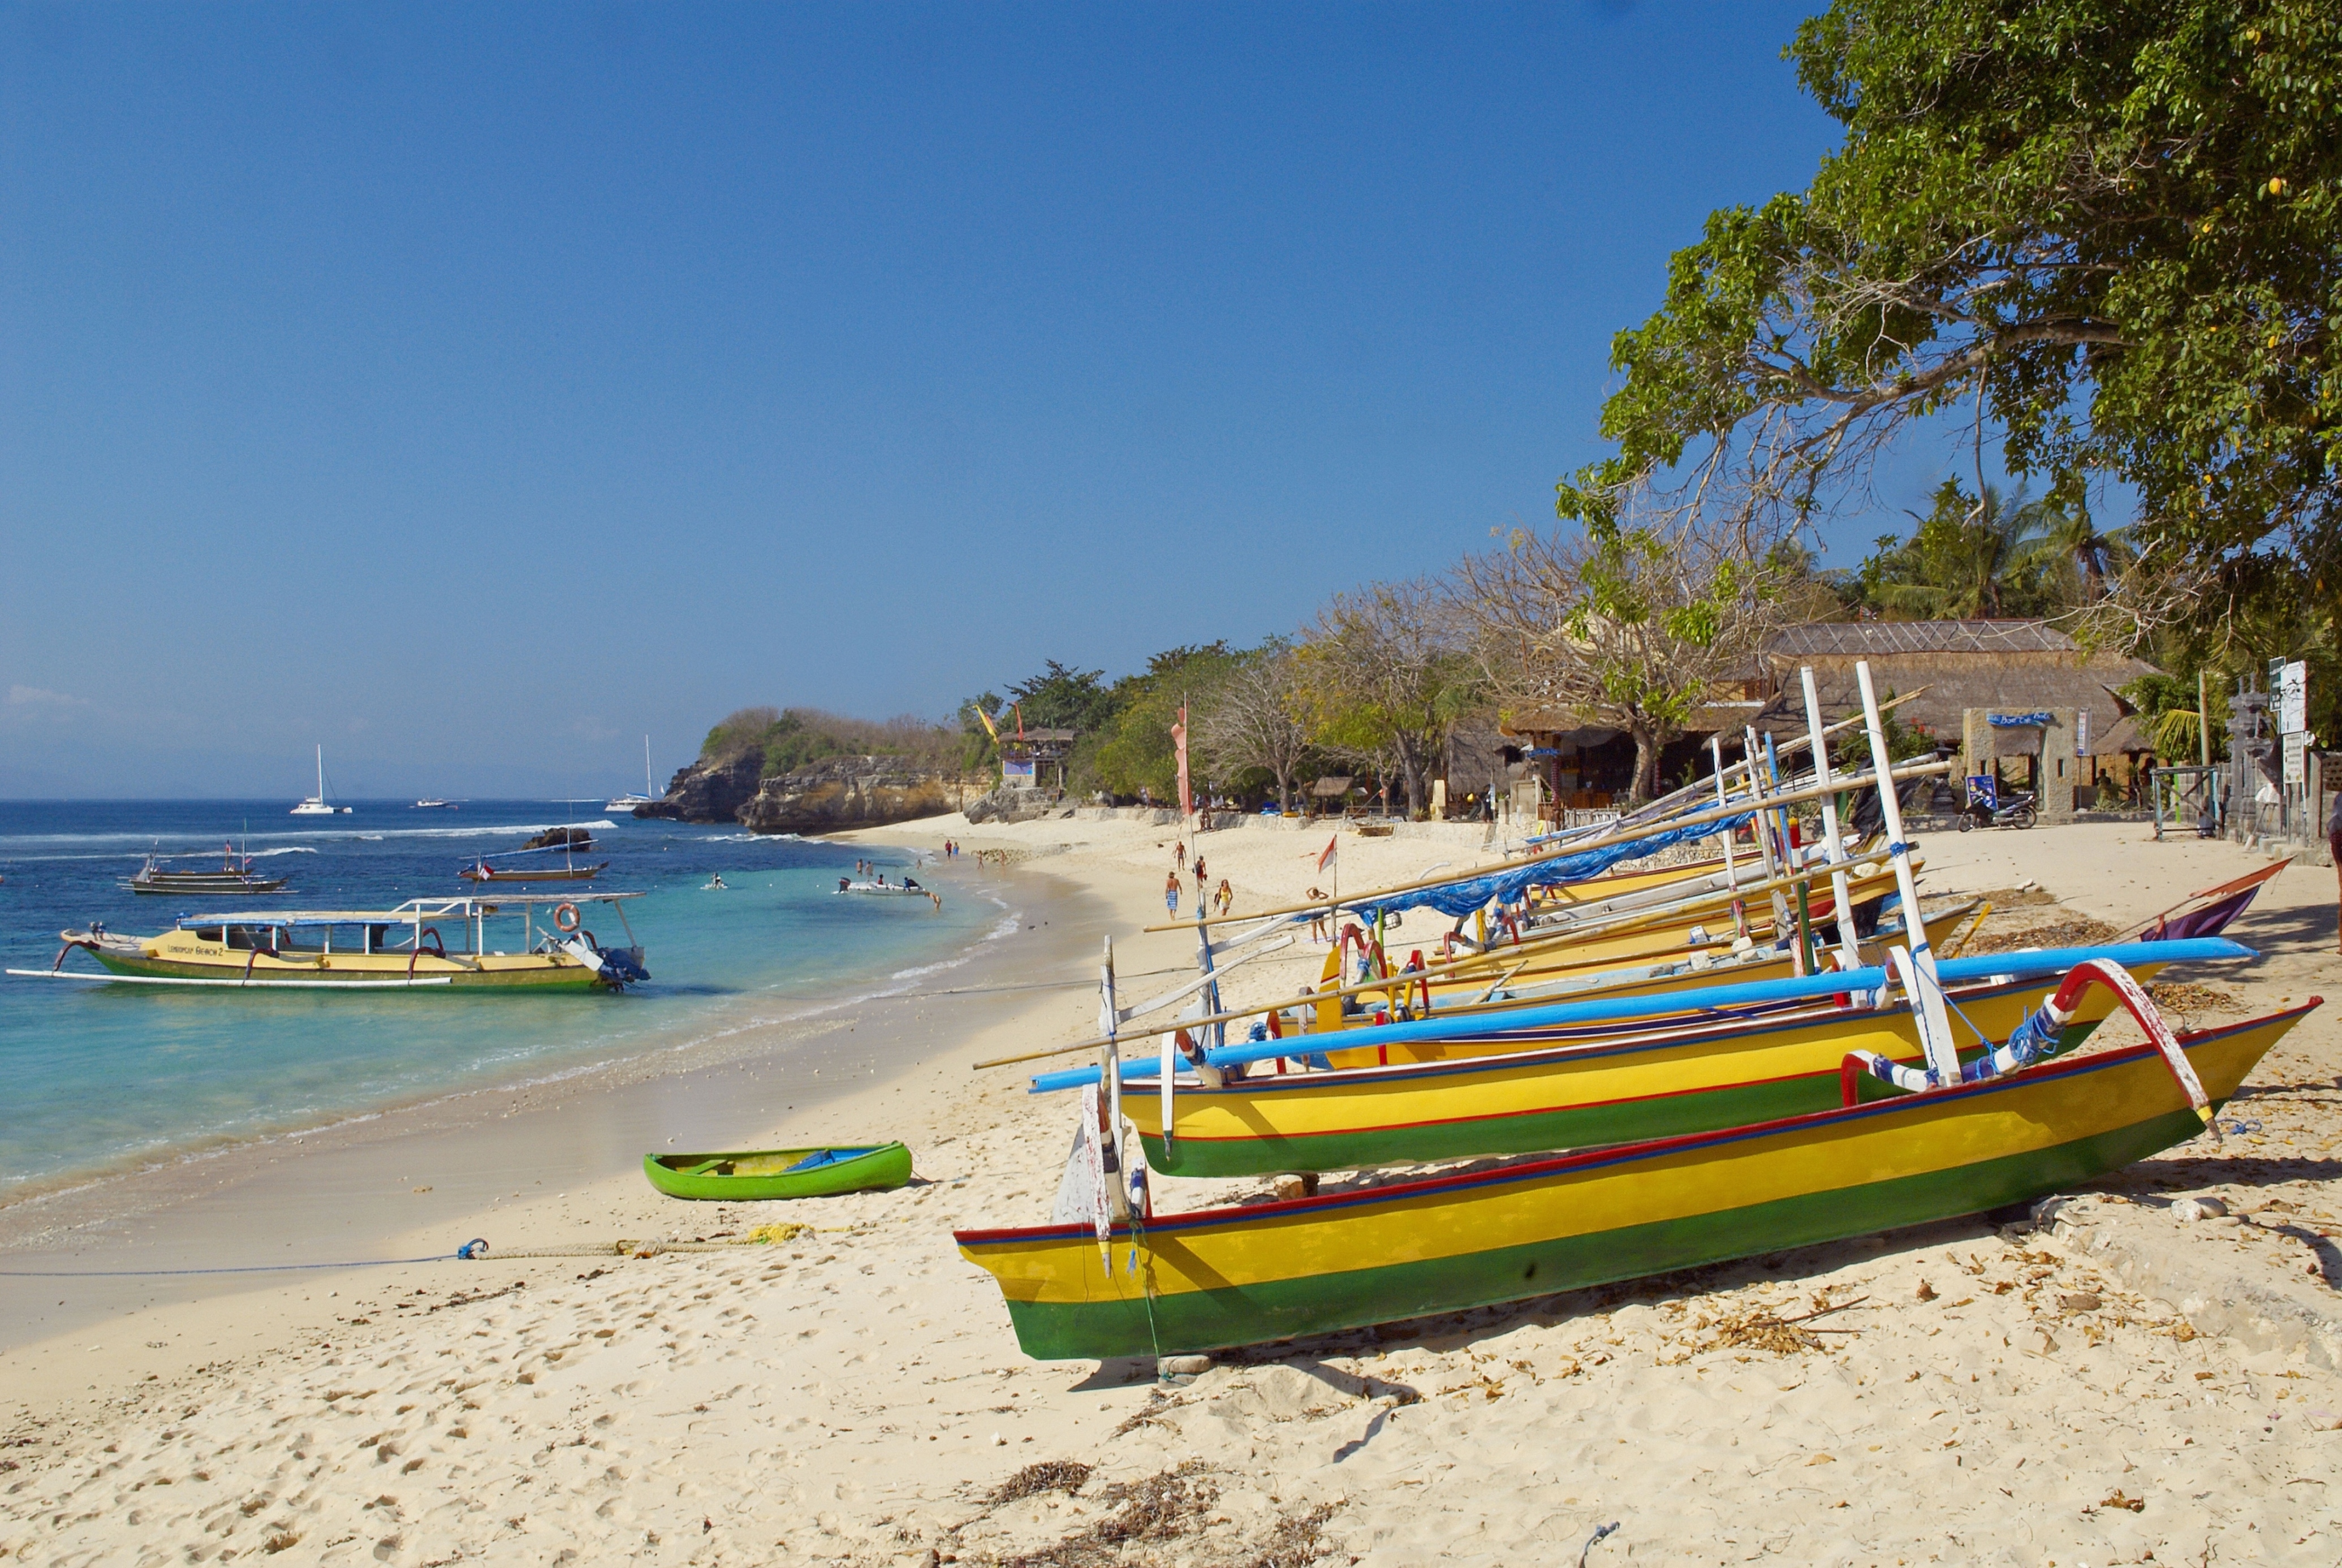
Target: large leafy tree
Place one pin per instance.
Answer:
(1631, 627)
(1381, 678)
(1256, 720)
(1137, 750)
(2106, 235)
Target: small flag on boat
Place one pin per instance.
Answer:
(1333, 846)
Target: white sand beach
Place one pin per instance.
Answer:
(2137, 1379)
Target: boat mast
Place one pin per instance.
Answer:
(321, 773)
(646, 767)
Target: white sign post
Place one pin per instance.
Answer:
(2293, 699)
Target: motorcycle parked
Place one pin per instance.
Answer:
(1987, 807)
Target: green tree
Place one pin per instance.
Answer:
(2109, 234)
(1136, 752)
(1382, 677)
(1969, 556)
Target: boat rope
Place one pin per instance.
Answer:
(470, 1251)
(474, 1251)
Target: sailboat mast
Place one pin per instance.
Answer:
(321, 773)
(646, 767)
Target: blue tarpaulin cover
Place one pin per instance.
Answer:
(1457, 899)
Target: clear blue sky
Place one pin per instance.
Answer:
(474, 388)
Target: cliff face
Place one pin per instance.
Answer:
(849, 792)
(708, 791)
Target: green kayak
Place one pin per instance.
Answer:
(762, 1173)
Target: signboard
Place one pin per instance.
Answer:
(2297, 747)
(2293, 699)
(1016, 771)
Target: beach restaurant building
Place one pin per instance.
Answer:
(2018, 699)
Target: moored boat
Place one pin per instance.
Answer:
(762, 1174)
(1220, 1277)
(404, 947)
(234, 875)
(317, 804)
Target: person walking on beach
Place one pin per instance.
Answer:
(1226, 896)
(2334, 847)
(1179, 855)
(1317, 917)
(1200, 884)
(1171, 892)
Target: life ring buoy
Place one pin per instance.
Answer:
(566, 917)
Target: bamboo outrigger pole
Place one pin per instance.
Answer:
(1400, 979)
(1691, 819)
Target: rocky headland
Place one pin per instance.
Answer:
(824, 796)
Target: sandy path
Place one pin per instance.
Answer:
(854, 1394)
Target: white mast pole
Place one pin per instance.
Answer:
(1849, 944)
(1927, 993)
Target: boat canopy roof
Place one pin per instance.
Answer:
(407, 914)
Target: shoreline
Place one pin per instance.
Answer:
(737, 1012)
(854, 1394)
(224, 1207)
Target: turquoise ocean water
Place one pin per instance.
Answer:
(95, 1078)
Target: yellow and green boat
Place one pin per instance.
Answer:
(424, 943)
(1342, 1259)
(1656, 1080)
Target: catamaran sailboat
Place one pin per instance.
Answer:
(315, 804)
(627, 802)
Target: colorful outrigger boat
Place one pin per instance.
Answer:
(764, 1175)
(1342, 1259)
(1572, 1079)
(400, 948)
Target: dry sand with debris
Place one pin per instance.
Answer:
(2138, 1378)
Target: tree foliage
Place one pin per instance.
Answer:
(2109, 234)
(1381, 678)
(1136, 752)
(1256, 723)
(1629, 627)
(791, 738)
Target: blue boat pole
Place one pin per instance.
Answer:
(2040, 963)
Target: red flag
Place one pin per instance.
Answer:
(1179, 743)
(1332, 844)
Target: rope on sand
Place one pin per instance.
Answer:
(476, 1250)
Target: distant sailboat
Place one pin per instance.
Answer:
(315, 804)
(627, 802)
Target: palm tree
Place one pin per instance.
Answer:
(1968, 557)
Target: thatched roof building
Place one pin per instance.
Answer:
(2004, 667)
(2008, 667)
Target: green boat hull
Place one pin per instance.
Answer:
(760, 1175)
